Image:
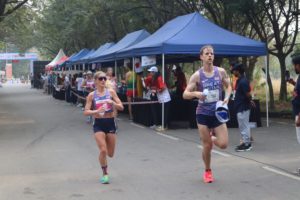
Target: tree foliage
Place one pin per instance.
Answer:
(75, 24)
(8, 7)
(279, 32)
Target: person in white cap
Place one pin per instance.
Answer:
(207, 85)
(160, 92)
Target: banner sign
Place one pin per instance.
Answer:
(148, 60)
(137, 65)
(126, 61)
(18, 56)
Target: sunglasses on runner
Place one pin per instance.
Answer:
(102, 78)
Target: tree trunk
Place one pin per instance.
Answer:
(283, 89)
(249, 65)
(271, 93)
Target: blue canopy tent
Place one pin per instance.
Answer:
(78, 56)
(81, 60)
(128, 40)
(99, 51)
(84, 58)
(75, 58)
(187, 34)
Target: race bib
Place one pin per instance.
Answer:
(212, 96)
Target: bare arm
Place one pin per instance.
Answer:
(291, 81)
(127, 76)
(88, 105)
(83, 84)
(226, 84)
(189, 92)
(116, 100)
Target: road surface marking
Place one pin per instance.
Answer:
(216, 152)
(167, 136)
(283, 173)
(283, 123)
(134, 124)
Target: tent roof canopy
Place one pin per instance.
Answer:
(84, 58)
(126, 41)
(62, 60)
(188, 33)
(56, 59)
(99, 51)
(77, 56)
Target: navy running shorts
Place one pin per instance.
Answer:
(106, 125)
(207, 120)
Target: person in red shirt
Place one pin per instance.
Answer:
(159, 91)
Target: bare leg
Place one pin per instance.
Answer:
(100, 138)
(129, 99)
(111, 143)
(221, 140)
(207, 144)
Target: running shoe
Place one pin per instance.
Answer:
(208, 177)
(105, 179)
(152, 127)
(243, 147)
(160, 128)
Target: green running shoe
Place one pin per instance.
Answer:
(105, 179)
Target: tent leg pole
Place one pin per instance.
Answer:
(133, 77)
(116, 75)
(163, 104)
(267, 87)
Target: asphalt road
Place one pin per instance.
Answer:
(47, 151)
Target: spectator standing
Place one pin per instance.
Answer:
(130, 80)
(31, 80)
(79, 81)
(67, 86)
(242, 105)
(180, 83)
(159, 91)
(111, 79)
(296, 94)
(50, 81)
(45, 83)
(88, 86)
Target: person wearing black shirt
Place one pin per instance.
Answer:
(296, 95)
(242, 105)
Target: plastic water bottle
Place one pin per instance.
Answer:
(103, 112)
(204, 93)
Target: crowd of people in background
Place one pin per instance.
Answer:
(146, 84)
